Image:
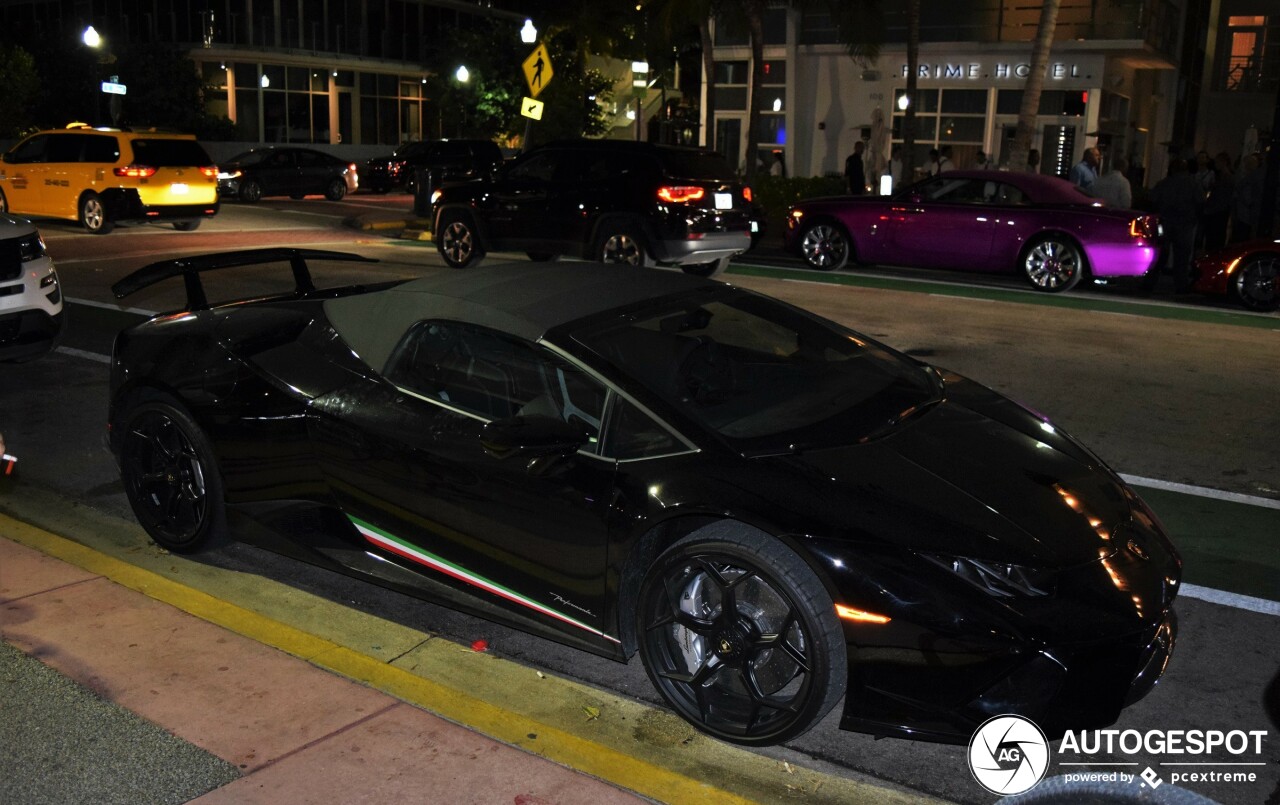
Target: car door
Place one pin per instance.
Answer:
(278, 173)
(314, 172)
(24, 174)
(519, 216)
(943, 223)
(406, 460)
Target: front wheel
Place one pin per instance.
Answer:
(457, 240)
(1257, 283)
(251, 191)
(1053, 264)
(170, 477)
(336, 190)
(93, 215)
(740, 637)
(825, 247)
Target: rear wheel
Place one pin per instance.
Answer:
(93, 215)
(170, 477)
(251, 191)
(187, 226)
(620, 243)
(457, 240)
(4, 203)
(336, 190)
(1053, 264)
(1257, 283)
(740, 637)
(825, 246)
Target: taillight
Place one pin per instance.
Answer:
(1144, 226)
(139, 171)
(678, 194)
(351, 167)
(746, 193)
(210, 172)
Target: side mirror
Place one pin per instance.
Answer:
(531, 437)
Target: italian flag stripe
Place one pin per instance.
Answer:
(395, 545)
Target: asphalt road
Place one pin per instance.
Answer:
(1176, 395)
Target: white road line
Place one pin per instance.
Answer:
(109, 306)
(80, 353)
(1202, 491)
(1235, 600)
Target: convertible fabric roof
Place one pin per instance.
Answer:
(524, 299)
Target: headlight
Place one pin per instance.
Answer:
(995, 578)
(222, 175)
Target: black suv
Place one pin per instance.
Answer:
(614, 201)
(448, 160)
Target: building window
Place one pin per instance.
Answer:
(949, 117)
(1245, 45)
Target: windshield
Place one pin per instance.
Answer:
(764, 375)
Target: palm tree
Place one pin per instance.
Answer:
(675, 15)
(1026, 130)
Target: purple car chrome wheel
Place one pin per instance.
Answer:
(825, 247)
(1053, 264)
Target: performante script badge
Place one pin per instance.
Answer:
(1008, 755)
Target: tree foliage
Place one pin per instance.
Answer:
(19, 85)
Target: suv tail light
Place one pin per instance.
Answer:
(1144, 226)
(137, 171)
(678, 194)
(746, 193)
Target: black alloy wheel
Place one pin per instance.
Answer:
(457, 241)
(1257, 283)
(825, 246)
(170, 477)
(740, 637)
(621, 245)
(251, 191)
(336, 190)
(1053, 264)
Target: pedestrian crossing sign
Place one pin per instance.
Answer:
(537, 70)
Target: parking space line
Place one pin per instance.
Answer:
(1233, 600)
(1202, 491)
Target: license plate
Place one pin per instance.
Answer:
(178, 188)
(724, 201)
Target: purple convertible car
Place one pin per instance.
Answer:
(989, 221)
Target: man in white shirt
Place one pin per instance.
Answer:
(1113, 187)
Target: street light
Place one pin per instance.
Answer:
(903, 102)
(528, 34)
(463, 75)
(91, 37)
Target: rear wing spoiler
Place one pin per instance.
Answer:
(190, 268)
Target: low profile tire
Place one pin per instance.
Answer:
(1257, 284)
(542, 257)
(251, 192)
(93, 215)
(621, 245)
(187, 226)
(713, 269)
(457, 240)
(740, 637)
(825, 246)
(336, 191)
(4, 203)
(170, 477)
(1053, 264)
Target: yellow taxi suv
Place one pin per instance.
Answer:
(101, 177)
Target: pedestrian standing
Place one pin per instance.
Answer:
(933, 167)
(1085, 172)
(855, 170)
(1177, 199)
(1217, 206)
(1113, 187)
(944, 159)
(1033, 161)
(895, 166)
(1246, 202)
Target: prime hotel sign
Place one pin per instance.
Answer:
(960, 71)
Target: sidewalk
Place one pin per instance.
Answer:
(256, 724)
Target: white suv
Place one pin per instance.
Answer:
(31, 318)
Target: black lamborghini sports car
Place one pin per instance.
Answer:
(774, 511)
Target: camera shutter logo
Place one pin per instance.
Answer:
(1008, 755)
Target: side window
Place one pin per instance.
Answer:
(30, 151)
(540, 167)
(632, 434)
(101, 148)
(494, 376)
(1002, 193)
(64, 148)
(309, 159)
(961, 191)
(280, 159)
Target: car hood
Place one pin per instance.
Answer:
(977, 476)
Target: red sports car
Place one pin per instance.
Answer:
(987, 221)
(1245, 271)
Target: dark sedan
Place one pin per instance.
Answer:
(775, 512)
(1247, 272)
(1041, 227)
(293, 172)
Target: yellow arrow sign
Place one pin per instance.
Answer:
(537, 70)
(531, 108)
